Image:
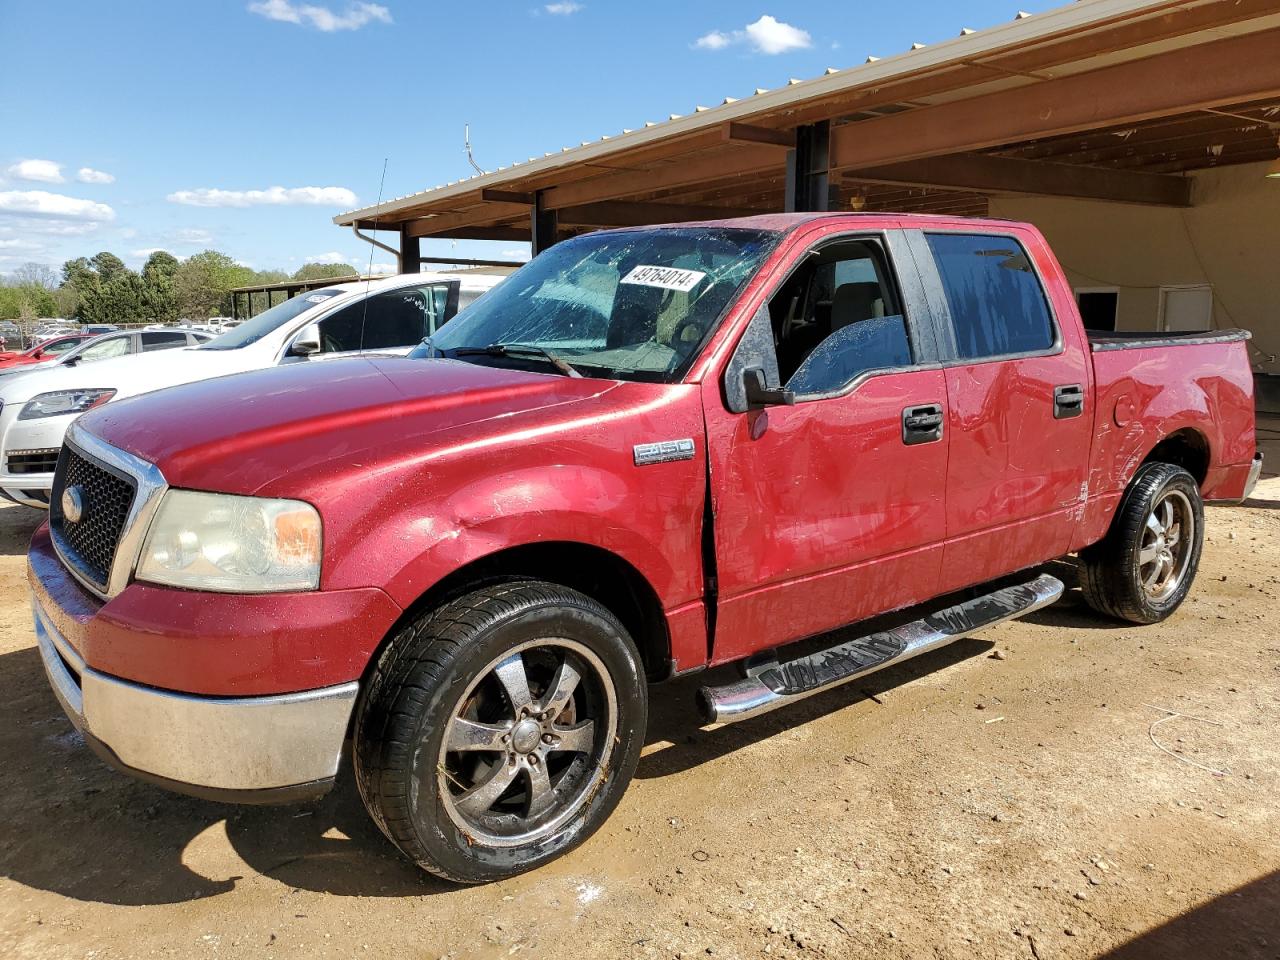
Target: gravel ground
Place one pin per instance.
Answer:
(1001, 798)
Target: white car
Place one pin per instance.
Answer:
(119, 344)
(392, 315)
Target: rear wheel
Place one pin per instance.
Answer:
(500, 730)
(1144, 567)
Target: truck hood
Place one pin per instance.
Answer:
(128, 376)
(236, 434)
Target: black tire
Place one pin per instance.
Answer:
(443, 663)
(1112, 574)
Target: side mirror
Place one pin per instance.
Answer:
(38, 355)
(307, 341)
(760, 395)
(751, 378)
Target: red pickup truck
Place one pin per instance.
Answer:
(646, 452)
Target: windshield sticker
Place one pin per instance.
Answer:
(668, 278)
(319, 297)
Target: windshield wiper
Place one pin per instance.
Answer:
(519, 350)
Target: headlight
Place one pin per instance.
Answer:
(217, 541)
(62, 402)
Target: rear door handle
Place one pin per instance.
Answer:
(922, 424)
(1068, 401)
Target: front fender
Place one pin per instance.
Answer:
(567, 504)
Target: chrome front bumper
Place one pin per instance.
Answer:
(247, 749)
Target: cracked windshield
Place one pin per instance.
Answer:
(633, 305)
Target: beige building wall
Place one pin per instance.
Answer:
(1229, 238)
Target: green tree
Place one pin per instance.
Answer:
(107, 290)
(108, 266)
(323, 271)
(203, 284)
(80, 283)
(159, 295)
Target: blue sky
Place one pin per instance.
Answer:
(245, 126)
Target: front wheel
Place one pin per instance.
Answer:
(1144, 567)
(500, 730)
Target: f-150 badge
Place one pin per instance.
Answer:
(663, 451)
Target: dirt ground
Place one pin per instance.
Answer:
(1001, 798)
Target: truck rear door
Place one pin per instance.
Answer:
(1019, 382)
(830, 510)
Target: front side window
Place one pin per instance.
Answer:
(253, 330)
(837, 317)
(635, 304)
(58, 347)
(103, 350)
(996, 302)
(388, 321)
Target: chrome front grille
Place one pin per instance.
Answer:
(105, 495)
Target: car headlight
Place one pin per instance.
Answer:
(232, 544)
(62, 402)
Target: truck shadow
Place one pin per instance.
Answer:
(77, 828)
(682, 744)
(80, 829)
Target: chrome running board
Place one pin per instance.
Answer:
(771, 683)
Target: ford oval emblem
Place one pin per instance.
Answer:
(72, 504)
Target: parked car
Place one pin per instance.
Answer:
(99, 328)
(390, 315)
(44, 351)
(648, 452)
(122, 343)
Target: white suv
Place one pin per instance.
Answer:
(392, 315)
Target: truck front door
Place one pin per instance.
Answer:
(833, 509)
(1018, 383)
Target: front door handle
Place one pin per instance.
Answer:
(1068, 401)
(922, 424)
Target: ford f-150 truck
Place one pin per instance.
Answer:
(647, 452)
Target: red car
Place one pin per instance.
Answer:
(647, 452)
(45, 351)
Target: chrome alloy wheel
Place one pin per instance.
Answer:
(1166, 546)
(527, 742)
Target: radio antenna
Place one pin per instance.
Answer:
(368, 274)
(466, 143)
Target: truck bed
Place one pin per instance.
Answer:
(1135, 339)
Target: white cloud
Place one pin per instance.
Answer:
(189, 235)
(41, 203)
(767, 35)
(272, 196)
(715, 40)
(514, 254)
(562, 9)
(380, 268)
(333, 256)
(322, 18)
(90, 175)
(23, 225)
(42, 171)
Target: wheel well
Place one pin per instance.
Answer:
(601, 575)
(1185, 448)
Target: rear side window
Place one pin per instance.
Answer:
(997, 304)
(163, 339)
